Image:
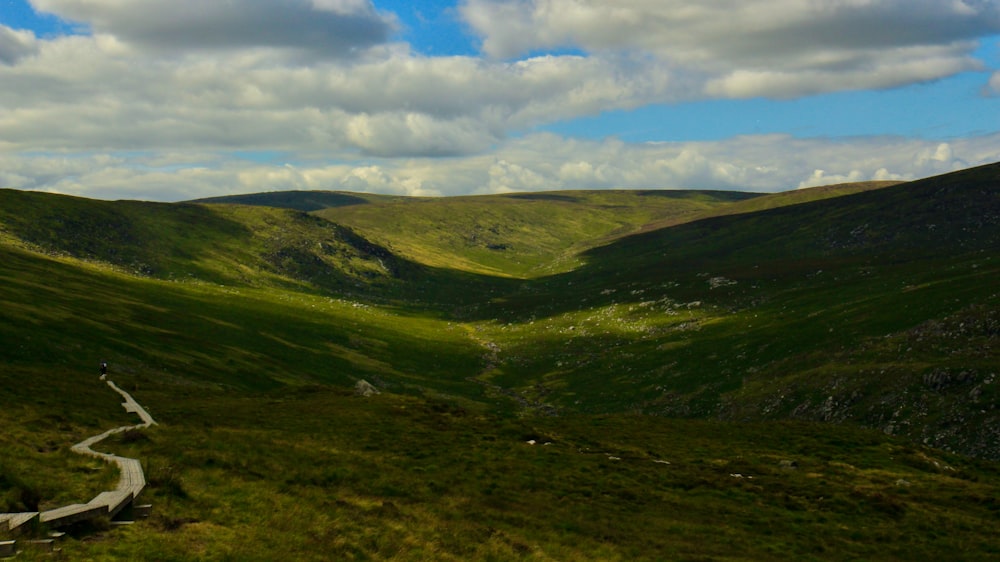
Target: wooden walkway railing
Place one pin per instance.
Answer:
(131, 483)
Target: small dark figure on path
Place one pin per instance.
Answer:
(104, 370)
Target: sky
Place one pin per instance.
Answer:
(171, 100)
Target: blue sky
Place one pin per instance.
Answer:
(177, 99)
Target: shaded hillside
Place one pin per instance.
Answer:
(776, 200)
(299, 200)
(877, 308)
(221, 244)
(62, 316)
(947, 214)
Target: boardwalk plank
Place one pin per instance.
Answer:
(114, 502)
(17, 520)
(131, 482)
(70, 514)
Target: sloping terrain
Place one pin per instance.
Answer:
(220, 244)
(518, 235)
(242, 327)
(300, 200)
(844, 310)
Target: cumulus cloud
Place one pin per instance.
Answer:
(763, 163)
(321, 27)
(780, 48)
(15, 44)
(153, 102)
(117, 89)
(90, 92)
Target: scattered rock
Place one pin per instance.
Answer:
(716, 282)
(365, 388)
(789, 465)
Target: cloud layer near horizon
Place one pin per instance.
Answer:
(536, 162)
(323, 83)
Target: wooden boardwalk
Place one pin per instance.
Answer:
(131, 481)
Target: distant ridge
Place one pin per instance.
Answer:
(306, 201)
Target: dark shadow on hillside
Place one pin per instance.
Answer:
(544, 197)
(698, 193)
(940, 217)
(140, 237)
(306, 201)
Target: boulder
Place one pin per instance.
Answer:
(365, 388)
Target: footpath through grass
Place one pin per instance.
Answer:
(319, 474)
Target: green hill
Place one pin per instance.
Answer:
(843, 310)
(229, 244)
(689, 344)
(517, 235)
(300, 200)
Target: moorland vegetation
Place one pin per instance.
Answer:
(613, 375)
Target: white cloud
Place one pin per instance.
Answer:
(891, 68)
(325, 28)
(153, 103)
(536, 162)
(90, 92)
(140, 83)
(994, 84)
(779, 48)
(15, 44)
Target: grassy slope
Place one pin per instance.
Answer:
(228, 244)
(211, 335)
(306, 201)
(411, 478)
(815, 310)
(62, 316)
(402, 479)
(519, 235)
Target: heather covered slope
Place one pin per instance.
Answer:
(511, 235)
(242, 329)
(746, 307)
(255, 246)
(234, 245)
(877, 308)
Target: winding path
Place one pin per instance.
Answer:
(131, 481)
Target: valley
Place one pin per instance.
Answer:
(619, 375)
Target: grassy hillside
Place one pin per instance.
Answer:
(517, 235)
(60, 313)
(242, 327)
(301, 200)
(840, 310)
(231, 244)
(392, 478)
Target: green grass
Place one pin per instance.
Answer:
(519, 235)
(405, 479)
(705, 330)
(44, 413)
